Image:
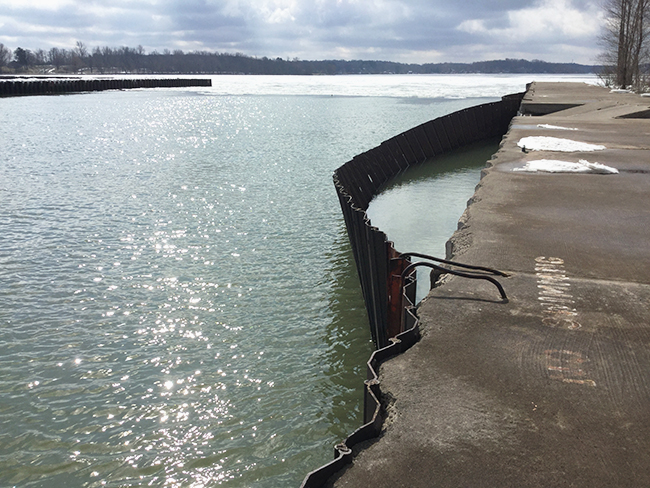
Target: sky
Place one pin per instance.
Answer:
(408, 31)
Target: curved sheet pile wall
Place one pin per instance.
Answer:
(389, 297)
(359, 180)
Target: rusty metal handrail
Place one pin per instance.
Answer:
(453, 263)
(474, 276)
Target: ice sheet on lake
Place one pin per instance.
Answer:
(558, 166)
(544, 143)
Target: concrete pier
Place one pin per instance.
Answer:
(552, 386)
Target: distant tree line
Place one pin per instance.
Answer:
(107, 60)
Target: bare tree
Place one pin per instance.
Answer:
(5, 55)
(626, 42)
(57, 57)
(80, 49)
(79, 56)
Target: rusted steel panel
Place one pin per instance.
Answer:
(384, 162)
(365, 180)
(395, 291)
(383, 166)
(501, 115)
(464, 122)
(512, 105)
(371, 292)
(340, 178)
(497, 117)
(454, 130)
(360, 165)
(483, 114)
(381, 245)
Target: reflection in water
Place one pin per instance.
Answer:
(348, 331)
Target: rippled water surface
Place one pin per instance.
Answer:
(178, 302)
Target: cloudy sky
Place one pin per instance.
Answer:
(418, 31)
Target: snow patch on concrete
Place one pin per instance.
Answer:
(558, 166)
(554, 127)
(544, 143)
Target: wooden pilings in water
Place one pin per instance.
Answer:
(16, 87)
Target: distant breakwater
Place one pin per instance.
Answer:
(388, 287)
(19, 87)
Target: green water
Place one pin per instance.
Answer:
(419, 210)
(178, 302)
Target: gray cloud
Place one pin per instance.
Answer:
(401, 30)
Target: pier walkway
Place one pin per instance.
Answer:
(552, 387)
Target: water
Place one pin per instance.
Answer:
(178, 302)
(419, 210)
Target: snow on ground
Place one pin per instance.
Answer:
(554, 127)
(544, 143)
(558, 166)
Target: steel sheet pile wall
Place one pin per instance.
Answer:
(53, 86)
(359, 180)
(378, 262)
